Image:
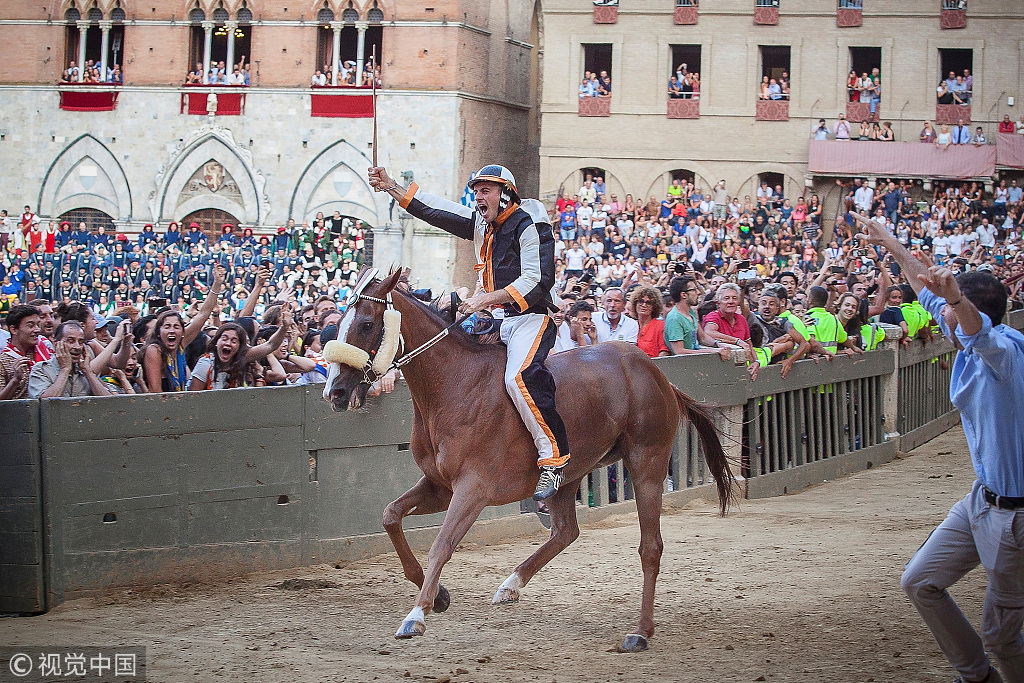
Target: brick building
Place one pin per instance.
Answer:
(640, 138)
(458, 80)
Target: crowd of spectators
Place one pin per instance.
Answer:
(94, 313)
(955, 89)
(594, 85)
(705, 272)
(347, 75)
(774, 89)
(684, 84)
(699, 271)
(93, 72)
(219, 74)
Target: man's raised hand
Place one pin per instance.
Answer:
(874, 232)
(939, 280)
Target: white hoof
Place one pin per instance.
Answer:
(508, 592)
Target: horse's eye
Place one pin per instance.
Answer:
(366, 326)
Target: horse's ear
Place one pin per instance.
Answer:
(391, 281)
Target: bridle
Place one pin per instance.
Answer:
(370, 373)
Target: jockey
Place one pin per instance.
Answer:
(516, 257)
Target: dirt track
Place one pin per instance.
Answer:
(800, 588)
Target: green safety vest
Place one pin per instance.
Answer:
(915, 316)
(798, 324)
(826, 329)
(872, 335)
(764, 356)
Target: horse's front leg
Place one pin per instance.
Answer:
(466, 505)
(424, 498)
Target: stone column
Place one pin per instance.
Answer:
(83, 30)
(360, 50)
(104, 46)
(336, 27)
(229, 68)
(207, 46)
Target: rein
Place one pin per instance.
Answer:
(371, 374)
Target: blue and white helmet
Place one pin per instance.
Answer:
(495, 174)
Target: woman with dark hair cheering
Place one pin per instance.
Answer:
(231, 362)
(164, 363)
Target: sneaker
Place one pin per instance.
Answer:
(550, 480)
(993, 677)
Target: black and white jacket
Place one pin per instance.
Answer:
(517, 254)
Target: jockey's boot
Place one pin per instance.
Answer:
(550, 479)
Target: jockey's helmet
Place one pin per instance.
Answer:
(495, 174)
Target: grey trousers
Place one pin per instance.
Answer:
(974, 532)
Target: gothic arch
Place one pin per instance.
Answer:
(750, 183)
(317, 191)
(251, 206)
(569, 170)
(106, 189)
(656, 174)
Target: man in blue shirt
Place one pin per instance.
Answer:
(987, 526)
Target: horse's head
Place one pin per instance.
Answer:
(368, 338)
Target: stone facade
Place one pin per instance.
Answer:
(457, 94)
(639, 144)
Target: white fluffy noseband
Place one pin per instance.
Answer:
(338, 351)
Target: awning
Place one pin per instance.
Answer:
(900, 159)
(1009, 150)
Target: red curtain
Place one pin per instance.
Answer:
(228, 103)
(342, 106)
(104, 100)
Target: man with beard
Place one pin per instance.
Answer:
(516, 255)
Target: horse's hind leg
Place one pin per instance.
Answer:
(424, 498)
(647, 489)
(564, 530)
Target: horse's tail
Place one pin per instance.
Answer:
(701, 419)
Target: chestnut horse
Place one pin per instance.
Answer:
(474, 450)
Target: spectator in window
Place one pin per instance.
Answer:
(764, 93)
(961, 134)
(67, 373)
(944, 139)
(115, 75)
(645, 306)
(24, 349)
(318, 80)
(958, 89)
(774, 90)
(842, 128)
(1006, 125)
(674, 90)
(943, 94)
(864, 88)
(604, 85)
(852, 86)
(927, 134)
(236, 77)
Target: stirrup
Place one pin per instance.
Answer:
(550, 479)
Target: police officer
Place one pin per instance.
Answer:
(516, 260)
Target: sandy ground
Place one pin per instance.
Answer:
(799, 588)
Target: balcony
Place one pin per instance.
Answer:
(772, 110)
(953, 14)
(683, 108)
(861, 111)
(686, 13)
(595, 106)
(850, 14)
(606, 14)
(766, 12)
(341, 102)
(951, 113)
(88, 97)
(195, 100)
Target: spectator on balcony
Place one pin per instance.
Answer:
(927, 134)
(236, 77)
(943, 94)
(864, 88)
(864, 132)
(763, 93)
(944, 139)
(674, 90)
(842, 128)
(852, 86)
(968, 80)
(820, 131)
(887, 134)
(774, 90)
(961, 134)
(318, 80)
(116, 77)
(959, 91)
(1006, 125)
(604, 85)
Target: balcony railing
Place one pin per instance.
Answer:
(953, 14)
(766, 12)
(684, 108)
(195, 99)
(686, 13)
(595, 106)
(772, 110)
(88, 96)
(333, 102)
(850, 13)
(606, 13)
(861, 111)
(951, 113)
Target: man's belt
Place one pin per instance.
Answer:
(1002, 502)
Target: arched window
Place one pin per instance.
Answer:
(375, 15)
(244, 15)
(95, 14)
(220, 15)
(117, 15)
(325, 16)
(324, 42)
(197, 16)
(72, 15)
(350, 16)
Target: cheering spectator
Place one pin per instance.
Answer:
(67, 373)
(645, 306)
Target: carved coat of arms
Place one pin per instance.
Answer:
(213, 173)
